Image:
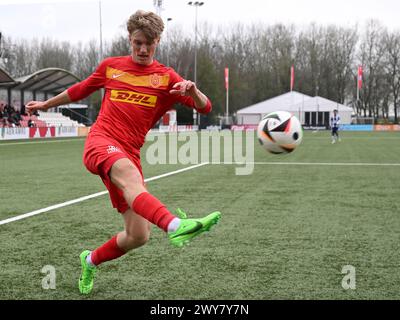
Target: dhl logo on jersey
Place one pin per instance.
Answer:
(134, 98)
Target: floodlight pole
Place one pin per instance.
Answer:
(158, 4)
(100, 58)
(101, 34)
(168, 20)
(196, 4)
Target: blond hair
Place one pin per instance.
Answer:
(148, 22)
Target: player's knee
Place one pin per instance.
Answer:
(125, 175)
(138, 240)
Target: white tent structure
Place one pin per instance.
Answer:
(253, 114)
(311, 111)
(316, 112)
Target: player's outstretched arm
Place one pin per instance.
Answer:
(188, 88)
(58, 100)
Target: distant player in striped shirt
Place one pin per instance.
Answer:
(138, 91)
(335, 121)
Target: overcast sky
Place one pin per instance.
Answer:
(75, 21)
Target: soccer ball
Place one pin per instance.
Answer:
(279, 132)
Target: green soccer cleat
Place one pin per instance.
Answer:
(180, 214)
(86, 279)
(190, 228)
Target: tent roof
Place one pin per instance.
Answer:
(293, 102)
(321, 104)
(51, 80)
(282, 102)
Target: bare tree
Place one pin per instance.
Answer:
(20, 56)
(310, 48)
(392, 68)
(337, 66)
(118, 47)
(54, 54)
(86, 58)
(370, 55)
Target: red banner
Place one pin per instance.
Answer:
(42, 132)
(291, 78)
(360, 77)
(387, 127)
(226, 78)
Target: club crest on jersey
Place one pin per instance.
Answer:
(155, 80)
(133, 97)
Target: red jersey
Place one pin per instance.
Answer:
(136, 97)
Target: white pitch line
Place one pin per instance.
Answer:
(98, 194)
(313, 163)
(56, 206)
(39, 142)
(176, 172)
(329, 163)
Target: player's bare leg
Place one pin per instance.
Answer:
(136, 233)
(127, 178)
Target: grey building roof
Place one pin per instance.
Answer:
(52, 80)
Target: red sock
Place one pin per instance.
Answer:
(150, 208)
(107, 252)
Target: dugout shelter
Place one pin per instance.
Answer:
(45, 82)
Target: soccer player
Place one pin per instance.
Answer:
(138, 91)
(335, 121)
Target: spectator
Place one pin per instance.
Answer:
(16, 118)
(23, 112)
(31, 123)
(5, 113)
(10, 109)
(11, 120)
